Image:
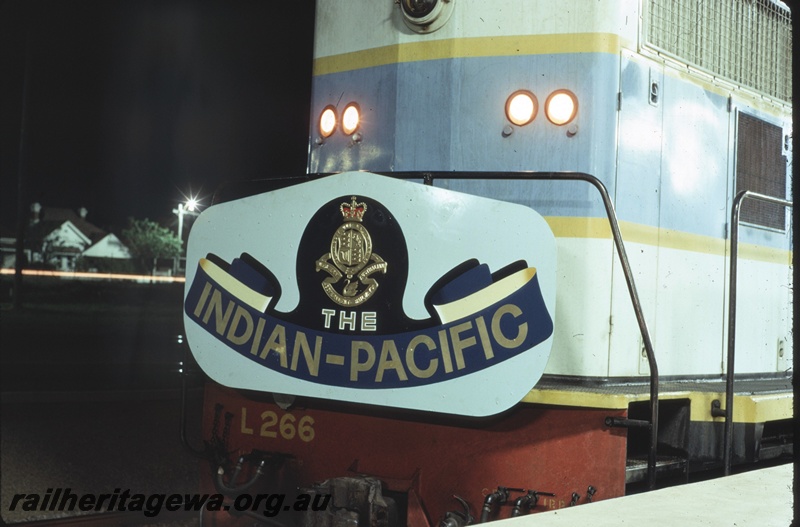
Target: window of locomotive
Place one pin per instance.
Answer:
(761, 167)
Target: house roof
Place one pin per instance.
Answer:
(51, 218)
(109, 247)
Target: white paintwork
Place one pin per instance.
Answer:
(684, 298)
(581, 332)
(764, 317)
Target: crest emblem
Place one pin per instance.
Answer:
(351, 263)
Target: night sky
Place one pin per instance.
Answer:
(129, 105)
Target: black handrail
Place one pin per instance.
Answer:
(735, 209)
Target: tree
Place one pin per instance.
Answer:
(148, 241)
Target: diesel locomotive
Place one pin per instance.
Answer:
(628, 276)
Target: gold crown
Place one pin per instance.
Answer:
(353, 211)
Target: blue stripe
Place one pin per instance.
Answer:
(449, 115)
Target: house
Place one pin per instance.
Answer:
(109, 246)
(107, 254)
(58, 237)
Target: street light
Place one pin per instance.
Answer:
(190, 208)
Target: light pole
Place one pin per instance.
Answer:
(190, 208)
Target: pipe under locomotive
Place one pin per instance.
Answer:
(512, 102)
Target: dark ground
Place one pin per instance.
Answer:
(90, 391)
(82, 335)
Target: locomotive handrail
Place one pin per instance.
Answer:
(731, 352)
(428, 178)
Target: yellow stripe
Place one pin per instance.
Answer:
(469, 47)
(581, 399)
(746, 408)
(499, 46)
(577, 227)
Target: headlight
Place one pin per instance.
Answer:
(350, 118)
(521, 107)
(426, 16)
(327, 121)
(561, 107)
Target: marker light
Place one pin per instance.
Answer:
(327, 121)
(350, 118)
(561, 107)
(521, 107)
